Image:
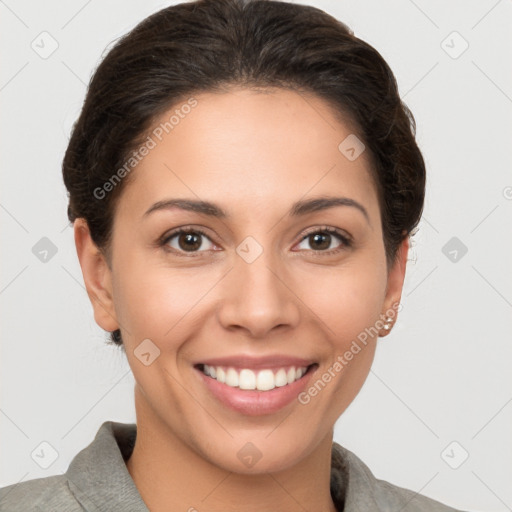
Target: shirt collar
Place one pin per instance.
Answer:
(99, 478)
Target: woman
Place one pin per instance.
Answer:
(243, 181)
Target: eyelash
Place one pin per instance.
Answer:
(346, 241)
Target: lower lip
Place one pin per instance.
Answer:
(253, 402)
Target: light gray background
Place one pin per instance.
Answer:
(443, 375)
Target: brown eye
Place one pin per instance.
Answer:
(187, 241)
(323, 239)
(320, 241)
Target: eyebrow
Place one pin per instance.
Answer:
(298, 209)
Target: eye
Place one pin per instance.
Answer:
(186, 240)
(321, 239)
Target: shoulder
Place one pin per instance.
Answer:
(391, 496)
(363, 491)
(40, 494)
(96, 479)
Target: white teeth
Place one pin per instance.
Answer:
(263, 380)
(247, 380)
(266, 380)
(281, 379)
(221, 375)
(232, 378)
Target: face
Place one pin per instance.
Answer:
(239, 328)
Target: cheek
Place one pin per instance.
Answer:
(347, 299)
(348, 302)
(157, 302)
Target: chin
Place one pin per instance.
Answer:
(261, 456)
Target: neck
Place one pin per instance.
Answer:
(169, 475)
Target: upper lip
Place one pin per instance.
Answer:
(253, 362)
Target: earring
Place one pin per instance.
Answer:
(388, 322)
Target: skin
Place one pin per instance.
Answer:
(253, 153)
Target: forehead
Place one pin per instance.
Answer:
(245, 148)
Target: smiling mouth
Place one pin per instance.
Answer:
(259, 380)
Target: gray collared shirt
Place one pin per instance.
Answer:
(97, 480)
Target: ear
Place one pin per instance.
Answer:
(97, 276)
(396, 276)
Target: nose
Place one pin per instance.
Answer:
(258, 297)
